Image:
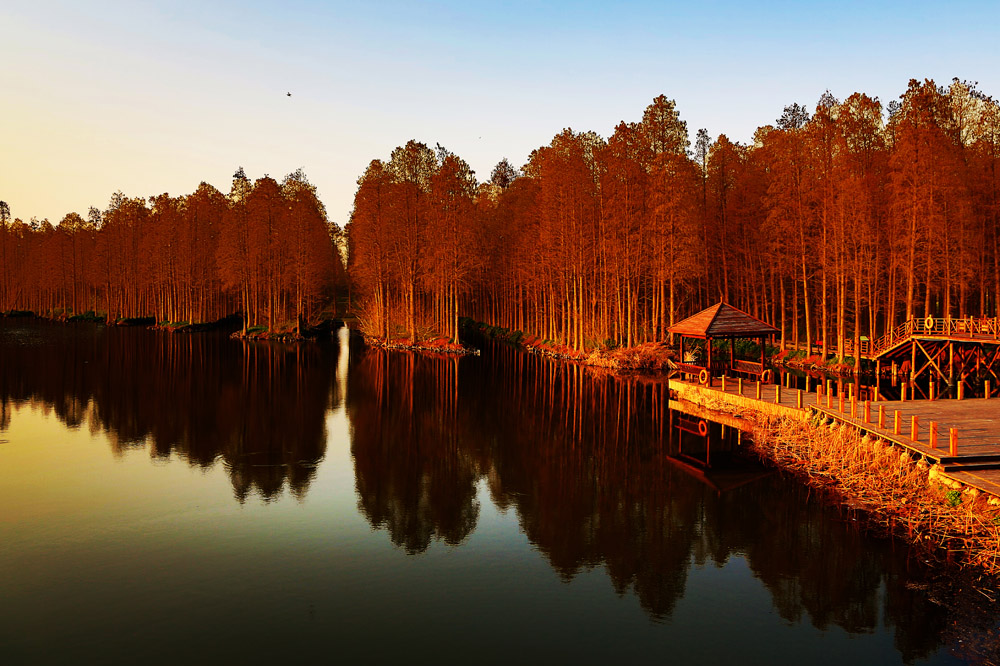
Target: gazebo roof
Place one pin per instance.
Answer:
(722, 321)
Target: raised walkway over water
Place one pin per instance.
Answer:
(963, 436)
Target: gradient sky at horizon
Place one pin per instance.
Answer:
(152, 97)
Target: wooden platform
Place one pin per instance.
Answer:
(977, 422)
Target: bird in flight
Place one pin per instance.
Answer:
(289, 94)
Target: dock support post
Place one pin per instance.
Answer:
(895, 423)
(930, 390)
(739, 385)
(723, 383)
(840, 402)
(868, 411)
(952, 441)
(986, 389)
(881, 416)
(961, 390)
(758, 389)
(777, 394)
(914, 428)
(934, 434)
(829, 398)
(902, 392)
(798, 399)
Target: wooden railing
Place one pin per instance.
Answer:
(939, 327)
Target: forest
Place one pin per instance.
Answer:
(266, 251)
(831, 225)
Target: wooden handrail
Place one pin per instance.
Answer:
(932, 326)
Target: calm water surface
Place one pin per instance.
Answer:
(166, 499)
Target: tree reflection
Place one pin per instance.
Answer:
(583, 459)
(413, 476)
(259, 408)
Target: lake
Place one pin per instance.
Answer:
(169, 498)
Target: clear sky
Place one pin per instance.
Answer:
(152, 97)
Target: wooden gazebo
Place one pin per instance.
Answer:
(723, 322)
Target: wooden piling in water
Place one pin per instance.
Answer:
(961, 390)
(902, 393)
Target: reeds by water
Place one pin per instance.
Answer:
(905, 497)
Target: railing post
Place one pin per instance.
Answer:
(914, 428)
(758, 389)
(777, 393)
(798, 399)
(868, 411)
(881, 416)
(739, 385)
(895, 423)
(723, 383)
(840, 402)
(953, 441)
(902, 392)
(934, 434)
(961, 389)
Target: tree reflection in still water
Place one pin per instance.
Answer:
(582, 457)
(413, 476)
(259, 408)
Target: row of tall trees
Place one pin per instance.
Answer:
(831, 225)
(266, 250)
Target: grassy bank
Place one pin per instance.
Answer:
(648, 357)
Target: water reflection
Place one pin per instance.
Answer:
(259, 408)
(582, 458)
(413, 475)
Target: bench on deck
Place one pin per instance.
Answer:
(694, 371)
(754, 370)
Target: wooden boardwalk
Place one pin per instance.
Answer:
(976, 422)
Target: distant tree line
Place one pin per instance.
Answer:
(267, 250)
(831, 226)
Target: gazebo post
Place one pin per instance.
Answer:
(708, 345)
(682, 348)
(732, 353)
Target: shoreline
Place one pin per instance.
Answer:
(900, 494)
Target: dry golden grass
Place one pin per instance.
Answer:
(901, 495)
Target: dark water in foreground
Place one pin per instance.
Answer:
(171, 499)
